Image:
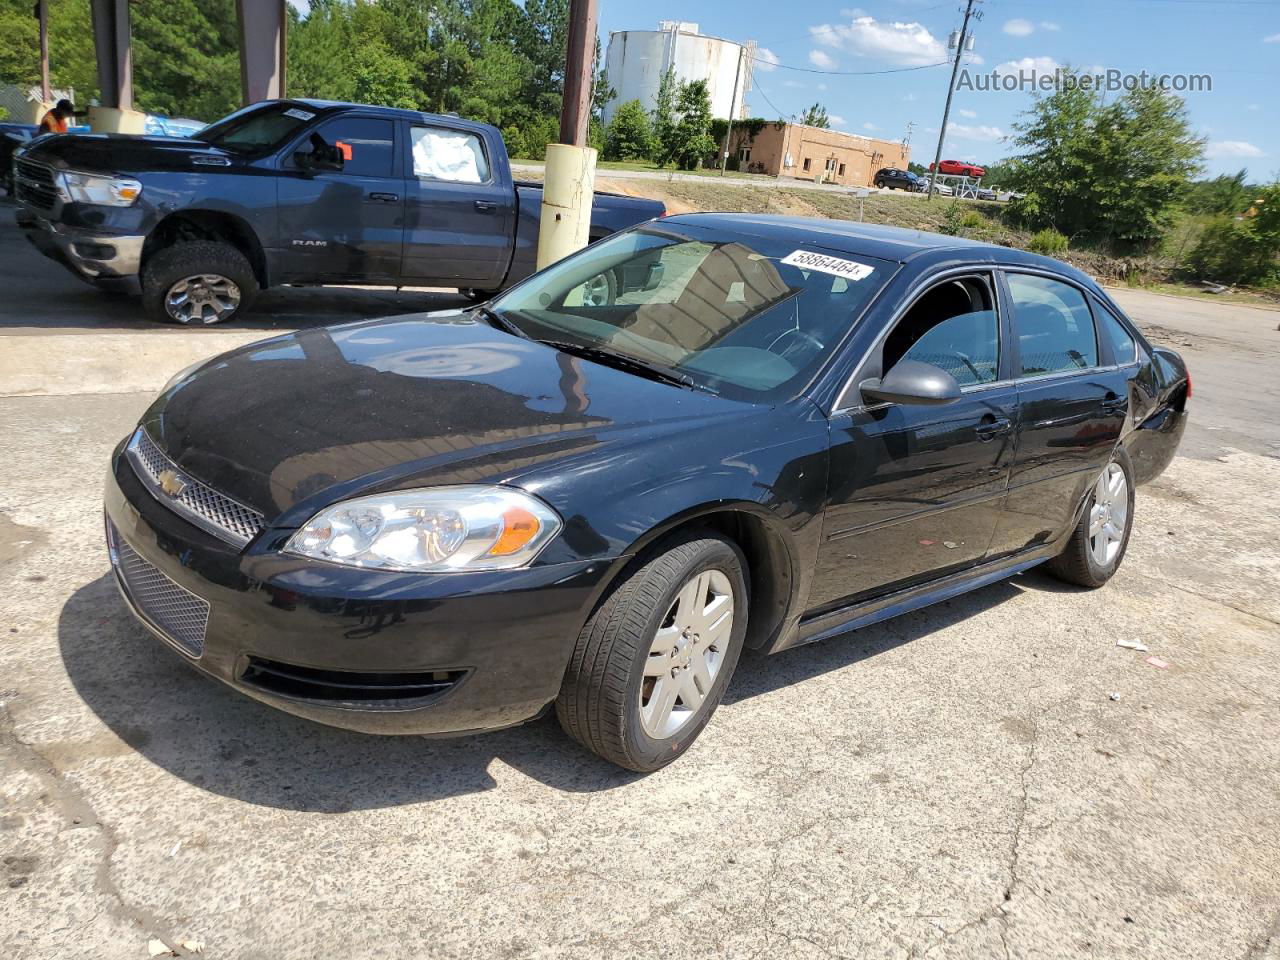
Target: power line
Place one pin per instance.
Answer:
(760, 90)
(850, 73)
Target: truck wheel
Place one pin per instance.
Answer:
(198, 283)
(653, 661)
(1097, 545)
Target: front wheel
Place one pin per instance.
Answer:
(1098, 543)
(199, 283)
(653, 661)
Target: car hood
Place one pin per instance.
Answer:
(125, 153)
(291, 424)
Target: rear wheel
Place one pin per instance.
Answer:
(652, 663)
(1097, 546)
(199, 283)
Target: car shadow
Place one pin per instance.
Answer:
(219, 740)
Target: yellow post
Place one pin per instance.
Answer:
(568, 189)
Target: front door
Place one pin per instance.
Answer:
(342, 225)
(1074, 394)
(459, 219)
(915, 492)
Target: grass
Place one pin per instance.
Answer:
(1257, 298)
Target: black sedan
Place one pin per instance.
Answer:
(896, 179)
(705, 434)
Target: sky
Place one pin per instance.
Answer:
(1235, 42)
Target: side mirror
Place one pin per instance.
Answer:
(912, 382)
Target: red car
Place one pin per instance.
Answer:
(960, 169)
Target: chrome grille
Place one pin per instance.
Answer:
(175, 612)
(198, 502)
(34, 184)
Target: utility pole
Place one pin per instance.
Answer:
(570, 174)
(951, 89)
(733, 106)
(42, 12)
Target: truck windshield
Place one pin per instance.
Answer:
(745, 316)
(256, 129)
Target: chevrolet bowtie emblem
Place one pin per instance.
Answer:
(172, 483)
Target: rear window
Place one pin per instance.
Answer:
(1054, 326)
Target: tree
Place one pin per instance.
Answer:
(629, 136)
(664, 119)
(1242, 250)
(1111, 172)
(816, 116)
(692, 142)
(1226, 193)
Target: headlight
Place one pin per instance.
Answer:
(435, 530)
(107, 191)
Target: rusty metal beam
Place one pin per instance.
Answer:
(263, 26)
(115, 58)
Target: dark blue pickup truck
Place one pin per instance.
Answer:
(290, 192)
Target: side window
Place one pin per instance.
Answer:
(364, 144)
(1054, 325)
(1123, 346)
(953, 326)
(453, 155)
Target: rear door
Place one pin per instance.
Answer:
(348, 224)
(459, 218)
(1073, 398)
(915, 492)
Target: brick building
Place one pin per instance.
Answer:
(784, 149)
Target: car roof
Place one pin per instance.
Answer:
(330, 106)
(900, 244)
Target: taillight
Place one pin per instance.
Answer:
(1188, 384)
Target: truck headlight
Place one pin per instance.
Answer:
(92, 188)
(433, 530)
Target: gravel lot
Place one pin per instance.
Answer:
(992, 777)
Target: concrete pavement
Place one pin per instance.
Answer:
(992, 777)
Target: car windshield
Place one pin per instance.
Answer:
(746, 316)
(256, 129)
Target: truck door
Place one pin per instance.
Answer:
(459, 216)
(341, 203)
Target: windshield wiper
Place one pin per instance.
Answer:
(502, 323)
(623, 361)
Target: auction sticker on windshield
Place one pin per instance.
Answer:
(298, 114)
(849, 269)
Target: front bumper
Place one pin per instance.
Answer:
(495, 644)
(93, 255)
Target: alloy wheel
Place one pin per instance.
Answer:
(1108, 515)
(203, 298)
(686, 654)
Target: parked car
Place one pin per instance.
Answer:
(943, 189)
(960, 168)
(12, 137)
(895, 179)
(768, 431)
(985, 193)
(290, 191)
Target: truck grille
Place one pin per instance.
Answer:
(34, 184)
(184, 494)
(172, 611)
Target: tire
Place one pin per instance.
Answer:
(607, 702)
(203, 264)
(1081, 561)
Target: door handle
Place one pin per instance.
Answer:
(378, 197)
(990, 429)
(1114, 404)
(486, 206)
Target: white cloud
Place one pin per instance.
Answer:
(967, 114)
(822, 86)
(1255, 106)
(904, 44)
(1038, 65)
(792, 83)
(766, 60)
(835, 120)
(975, 132)
(910, 98)
(869, 126)
(1050, 26)
(1274, 38)
(1233, 148)
(1019, 27)
(821, 60)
